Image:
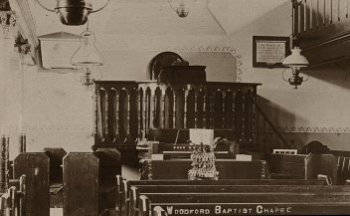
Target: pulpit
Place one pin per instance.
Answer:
(171, 103)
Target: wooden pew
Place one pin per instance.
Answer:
(343, 169)
(287, 166)
(80, 171)
(89, 187)
(13, 200)
(125, 185)
(35, 166)
(109, 166)
(136, 191)
(243, 203)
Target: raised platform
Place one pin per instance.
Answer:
(178, 169)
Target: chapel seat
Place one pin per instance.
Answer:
(324, 164)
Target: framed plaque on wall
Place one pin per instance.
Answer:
(269, 51)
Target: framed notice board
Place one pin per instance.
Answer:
(269, 51)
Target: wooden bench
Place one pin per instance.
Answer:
(245, 203)
(303, 166)
(343, 166)
(124, 186)
(89, 189)
(13, 201)
(287, 166)
(35, 166)
(136, 191)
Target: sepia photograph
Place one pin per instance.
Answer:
(174, 107)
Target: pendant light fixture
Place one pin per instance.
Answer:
(73, 12)
(181, 10)
(296, 61)
(87, 57)
(87, 54)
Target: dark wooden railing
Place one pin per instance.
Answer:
(125, 110)
(322, 29)
(268, 136)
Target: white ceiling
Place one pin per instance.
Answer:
(152, 18)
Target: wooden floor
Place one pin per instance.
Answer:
(127, 171)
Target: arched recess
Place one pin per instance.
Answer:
(159, 61)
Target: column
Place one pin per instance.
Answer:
(10, 80)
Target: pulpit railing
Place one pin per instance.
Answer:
(126, 109)
(268, 136)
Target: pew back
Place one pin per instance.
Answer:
(35, 166)
(81, 187)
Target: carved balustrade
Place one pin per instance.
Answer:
(125, 110)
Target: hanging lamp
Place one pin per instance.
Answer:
(73, 12)
(87, 54)
(181, 10)
(296, 61)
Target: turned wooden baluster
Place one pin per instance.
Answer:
(228, 108)
(169, 108)
(152, 108)
(128, 101)
(211, 109)
(205, 109)
(162, 108)
(295, 18)
(306, 15)
(174, 108)
(187, 89)
(300, 18)
(115, 114)
(223, 109)
(317, 14)
(4, 162)
(147, 110)
(157, 108)
(311, 6)
(200, 108)
(111, 114)
(99, 114)
(106, 114)
(179, 104)
(195, 108)
(140, 111)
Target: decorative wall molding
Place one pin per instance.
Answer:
(7, 22)
(26, 25)
(214, 49)
(4, 5)
(308, 129)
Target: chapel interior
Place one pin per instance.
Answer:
(174, 107)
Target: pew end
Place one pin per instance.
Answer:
(144, 206)
(159, 211)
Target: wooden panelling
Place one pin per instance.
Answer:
(125, 110)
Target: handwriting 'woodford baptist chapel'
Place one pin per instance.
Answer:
(174, 107)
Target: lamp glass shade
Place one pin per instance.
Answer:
(182, 11)
(296, 59)
(87, 54)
